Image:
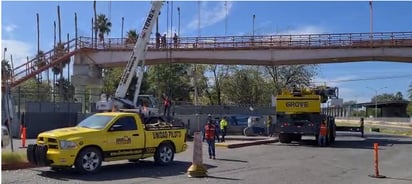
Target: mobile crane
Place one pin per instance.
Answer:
(298, 113)
(126, 95)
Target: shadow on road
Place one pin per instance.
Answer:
(223, 178)
(141, 169)
(231, 160)
(401, 179)
(384, 140)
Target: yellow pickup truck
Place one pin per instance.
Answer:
(107, 136)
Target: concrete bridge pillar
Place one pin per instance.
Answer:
(87, 80)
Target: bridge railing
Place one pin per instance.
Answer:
(387, 39)
(42, 62)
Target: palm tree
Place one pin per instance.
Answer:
(40, 62)
(103, 25)
(410, 91)
(5, 69)
(131, 36)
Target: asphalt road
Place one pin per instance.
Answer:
(349, 161)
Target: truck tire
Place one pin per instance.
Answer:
(284, 138)
(30, 153)
(89, 161)
(164, 154)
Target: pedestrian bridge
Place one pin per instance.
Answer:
(91, 56)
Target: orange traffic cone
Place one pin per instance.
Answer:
(23, 137)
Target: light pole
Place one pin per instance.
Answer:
(225, 18)
(253, 25)
(376, 98)
(371, 23)
(178, 23)
(4, 53)
(122, 29)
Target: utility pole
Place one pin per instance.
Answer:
(371, 23)
(376, 98)
(122, 29)
(225, 18)
(178, 26)
(253, 25)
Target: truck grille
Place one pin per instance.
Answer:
(51, 143)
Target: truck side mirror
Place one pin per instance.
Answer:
(116, 128)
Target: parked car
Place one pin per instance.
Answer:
(5, 137)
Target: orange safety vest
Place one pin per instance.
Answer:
(323, 130)
(210, 131)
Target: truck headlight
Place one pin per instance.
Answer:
(68, 145)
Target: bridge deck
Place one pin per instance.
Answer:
(55, 57)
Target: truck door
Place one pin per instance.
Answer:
(124, 138)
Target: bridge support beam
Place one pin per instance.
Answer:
(87, 80)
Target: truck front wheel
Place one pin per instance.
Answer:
(164, 154)
(89, 161)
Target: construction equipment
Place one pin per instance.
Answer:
(127, 95)
(298, 113)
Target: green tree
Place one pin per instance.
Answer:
(169, 79)
(67, 93)
(398, 96)
(103, 25)
(219, 72)
(5, 69)
(245, 87)
(131, 36)
(287, 76)
(32, 90)
(111, 79)
(385, 97)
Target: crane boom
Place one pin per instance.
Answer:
(135, 65)
(136, 61)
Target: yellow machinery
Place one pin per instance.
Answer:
(298, 113)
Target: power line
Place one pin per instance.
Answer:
(363, 79)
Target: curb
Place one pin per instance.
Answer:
(244, 144)
(16, 166)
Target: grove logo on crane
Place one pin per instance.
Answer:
(297, 104)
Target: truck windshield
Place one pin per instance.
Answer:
(96, 121)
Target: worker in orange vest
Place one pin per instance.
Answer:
(323, 132)
(209, 135)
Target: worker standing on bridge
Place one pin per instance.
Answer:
(209, 135)
(164, 44)
(158, 35)
(323, 132)
(175, 40)
(223, 128)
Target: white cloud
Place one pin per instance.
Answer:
(305, 30)
(10, 28)
(9, 31)
(210, 15)
(19, 50)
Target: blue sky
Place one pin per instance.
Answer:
(272, 17)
